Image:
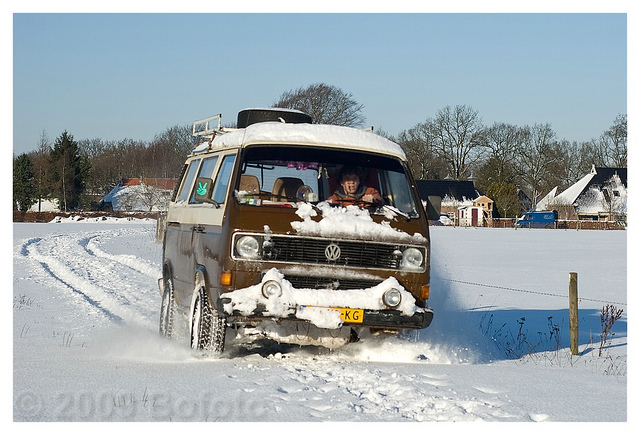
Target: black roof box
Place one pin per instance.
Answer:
(247, 117)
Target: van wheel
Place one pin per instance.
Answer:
(167, 310)
(207, 328)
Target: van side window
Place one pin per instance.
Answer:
(188, 180)
(206, 171)
(224, 176)
(174, 195)
(207, 167)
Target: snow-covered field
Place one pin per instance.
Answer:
(86, 347)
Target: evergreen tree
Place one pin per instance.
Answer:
(24, 188)
(505, 196)
(69, 170)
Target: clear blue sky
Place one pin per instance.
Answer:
(116, 76)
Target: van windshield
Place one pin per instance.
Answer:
(280, 175)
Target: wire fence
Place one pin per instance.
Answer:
(526, 291)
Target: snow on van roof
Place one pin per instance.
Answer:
(306, 134)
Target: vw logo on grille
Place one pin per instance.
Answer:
(332, 252)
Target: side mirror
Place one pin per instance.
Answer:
(433, 208)
(204, 188)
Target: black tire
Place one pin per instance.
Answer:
(207, 328)
(167, 310)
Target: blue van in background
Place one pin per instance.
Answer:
(538, 219)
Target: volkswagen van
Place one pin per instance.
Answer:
(254, 248)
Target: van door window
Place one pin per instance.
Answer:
(224, 176)
(398, 192)
(188, 180)
(206, 170)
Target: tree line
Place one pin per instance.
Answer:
(503, 158)
(79, 173)
(500, 158)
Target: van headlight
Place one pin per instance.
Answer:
(392, 298)
(248, 247)
(412, 258)
(271, 289)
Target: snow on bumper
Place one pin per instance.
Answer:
(322, 307)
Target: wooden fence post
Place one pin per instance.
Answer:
(573, 311)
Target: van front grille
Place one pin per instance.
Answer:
(326, 252)
(351, 254)
(330, 284)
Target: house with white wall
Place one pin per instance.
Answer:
(599, 195)
(139, 194)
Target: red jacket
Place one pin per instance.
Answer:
(340, 197)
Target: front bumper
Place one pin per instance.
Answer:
(325, 308)
(387, 319)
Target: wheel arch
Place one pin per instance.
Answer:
(212, 292)
(167, 273)
(167, 270)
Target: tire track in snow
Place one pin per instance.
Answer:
(118, 286)
(93, 247)
(65, 277)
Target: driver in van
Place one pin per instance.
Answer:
(351, 191)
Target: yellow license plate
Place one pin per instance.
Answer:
(351, 315)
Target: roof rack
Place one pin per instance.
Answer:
(201, 127)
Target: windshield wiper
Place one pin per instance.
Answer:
(397, 212)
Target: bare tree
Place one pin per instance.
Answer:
(575, 162)
(418, 145)
(614, 143)
(457, 134)
(501, 142)
(166, 153)
(151, 197)
(609, 150)
(326, 104)
(536, 156)
(41, 169)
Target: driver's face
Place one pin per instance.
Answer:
(350, 183)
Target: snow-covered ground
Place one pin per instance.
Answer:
(86, 346)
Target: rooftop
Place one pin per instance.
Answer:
(304, 134)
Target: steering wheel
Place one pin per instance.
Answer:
(303, 192)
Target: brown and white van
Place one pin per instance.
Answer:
(258, 245)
